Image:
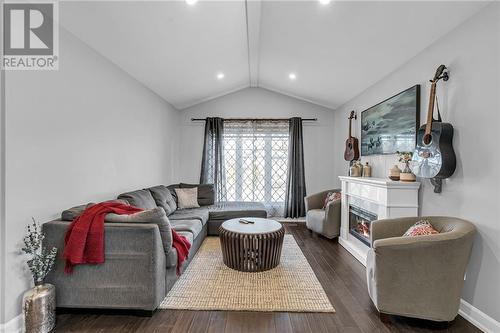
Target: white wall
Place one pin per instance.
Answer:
(2, 181)
(262, 103)
(86, 132)
(2, 188)
(469, 101)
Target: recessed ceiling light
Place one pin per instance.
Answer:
(220, 76)
(292, 76)
(324, 2)
(191, 2)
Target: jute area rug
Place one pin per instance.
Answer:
(208, 284)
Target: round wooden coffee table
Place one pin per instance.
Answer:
(252, 247)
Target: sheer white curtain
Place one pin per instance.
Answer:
(256, 161)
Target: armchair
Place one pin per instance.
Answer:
(422, 276)
(323, 221)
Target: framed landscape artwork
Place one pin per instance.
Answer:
(391, 125)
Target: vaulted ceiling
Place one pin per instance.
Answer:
(335, 50)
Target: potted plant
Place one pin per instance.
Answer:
(39, 303)
(406, 175)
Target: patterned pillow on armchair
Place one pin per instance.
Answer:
(421, 228)
(330, 197)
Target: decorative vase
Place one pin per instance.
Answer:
(39, 308)
(407, 168)
(354, 170)
(367, 170)
(394, 173)
(360, 168)
(406, 175)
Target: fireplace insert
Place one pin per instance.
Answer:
(359, 223)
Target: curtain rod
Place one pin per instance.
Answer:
(256, 119)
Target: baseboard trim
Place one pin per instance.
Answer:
(478, 318)
(15, 325)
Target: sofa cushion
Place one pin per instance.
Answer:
(140, 198)
(73, 212)
(315, 219)
(172, 255)
(193, 226)
(172, 188)
(188, 235)
(163, 198)
(236, 209)
(156, 215)
(190, 214)
(206, 193)
(187, 197)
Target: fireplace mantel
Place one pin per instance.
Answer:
(383, 197)
(380, 182)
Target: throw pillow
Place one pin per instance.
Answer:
(206, 193)
(163, 198)
(172, 188)
(187, 197)
(330, 197)
(140, 198)
(421, 228)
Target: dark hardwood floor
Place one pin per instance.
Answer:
(342, 277)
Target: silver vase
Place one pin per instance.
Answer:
(39, 308)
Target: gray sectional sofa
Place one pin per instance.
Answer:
(140, 262)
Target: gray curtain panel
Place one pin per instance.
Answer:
(295, 180)
(212, 164)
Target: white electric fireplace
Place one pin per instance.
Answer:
(366, 199)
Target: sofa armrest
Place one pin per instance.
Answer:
(317, 200)
(155, 216)
(333, 211)
(387, 228)
(132, 276)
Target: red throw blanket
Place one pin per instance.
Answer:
(84, 241)
(182, 246)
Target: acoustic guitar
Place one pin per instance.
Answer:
(351, 144)
(434, 156)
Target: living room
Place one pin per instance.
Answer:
(249, 166)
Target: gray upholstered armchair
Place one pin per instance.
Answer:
(323, 221)
(421, 276)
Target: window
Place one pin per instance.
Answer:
(255, 162)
